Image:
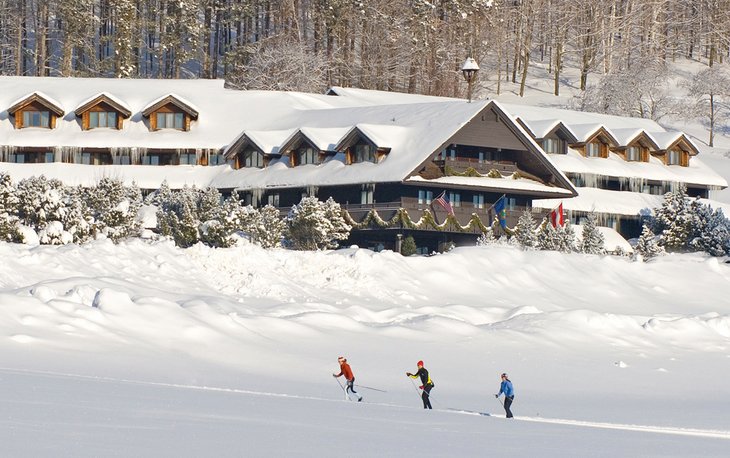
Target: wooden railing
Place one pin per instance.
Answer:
(461, 164)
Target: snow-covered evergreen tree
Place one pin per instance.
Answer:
(673, 220)
(270, 227)
(710, 230)
(114, 207)
(648, 246)
(592, 240)
(313, 224)
(9, 231)
(565, 238)
(525, 231)
(486, 238)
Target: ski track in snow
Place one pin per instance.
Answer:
(709, 433)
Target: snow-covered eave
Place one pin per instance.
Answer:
(174, 99)
(520, 186)
(106, 97)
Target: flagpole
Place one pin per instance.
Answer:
(495, 203)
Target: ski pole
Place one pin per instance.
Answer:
(415, 387)
(369, 388)
(499, 401)
(341, 387)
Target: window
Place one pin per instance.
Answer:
(102, 119)
(122, 160)
(170, 121)
(633, 153)
(17, 158)
(50, 156)
(253, 159)
(366, 194)
(188, 159)
(86, 158)
(511, 203)
(216, 159)
(364, 153)
(455, 199)
(36, 119)
(425, 197)
(307, 155)
(478, 200)
(151, 160)
(550, 145)
(673, 157)
(481, 157)
(593, 149)
(273, 200)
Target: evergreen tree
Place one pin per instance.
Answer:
(313, 224)
(114, 208)
(408, 247)
(593, 241)
(673, 220)
(270, 228)
(710, 231)
(340, 230)
(565, 240)
(525, 231)
(9, 231)
(547, 237)
(647, 247)
(486, 238)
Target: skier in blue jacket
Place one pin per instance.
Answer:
(509, 394)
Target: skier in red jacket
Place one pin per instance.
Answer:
(347, 372)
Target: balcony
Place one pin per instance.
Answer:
(462, 164)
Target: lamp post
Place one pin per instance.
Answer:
(469, 70)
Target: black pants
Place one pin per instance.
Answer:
(351, 386)
(507, 404)
(425, 397)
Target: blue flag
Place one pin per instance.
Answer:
(501, 212)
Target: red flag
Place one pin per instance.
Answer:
(556, 216)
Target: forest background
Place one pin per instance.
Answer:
(414, 46)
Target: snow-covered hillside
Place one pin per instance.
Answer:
(148, 350)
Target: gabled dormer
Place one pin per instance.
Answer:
(552, 135)
(170, 112)
(358, 147)
(102, 111)
(596, 143)
(636, 147)
(36, 110)
(246, 152)
(301, 150)
(676, 149)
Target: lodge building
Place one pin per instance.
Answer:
(384, 157)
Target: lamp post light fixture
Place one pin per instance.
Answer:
(470, 69)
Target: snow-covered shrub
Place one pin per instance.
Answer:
(648, 246)
(177, 216)
(592, 240)
(313, 224)
(560, 238)
(525, 231)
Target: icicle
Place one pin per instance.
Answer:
(6, 151)
(256, 195)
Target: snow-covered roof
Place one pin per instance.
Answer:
(506, 184)
(42, 97)
(174, 99)
(696, 173)
(104, 96)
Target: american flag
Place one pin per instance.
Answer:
(444, 202)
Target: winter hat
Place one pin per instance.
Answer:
(504, 374)
(420, 363)
(341, 358)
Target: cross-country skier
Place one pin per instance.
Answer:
(427, 384)
(509, 394)
(347, 372)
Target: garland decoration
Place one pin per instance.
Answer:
(426, 221)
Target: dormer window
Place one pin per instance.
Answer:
(673, 157)
(106, 119)
(633, 154)
(170, 121)
(363, 153)
(305, 154)
(103, 111)
(35, 110)
(32, 118)
(553, 145)
(253, 159)
(593, 149)
(170, 112)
